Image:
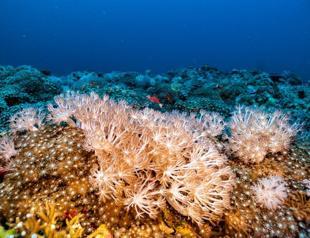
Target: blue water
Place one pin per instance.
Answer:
(105, 35)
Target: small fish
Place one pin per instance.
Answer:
(154, 99)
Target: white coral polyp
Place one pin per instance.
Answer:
(68, 105)
(29, 119)
(270, 192)
(144, 198)
(254, 134)
(7, 149)
(213, 123)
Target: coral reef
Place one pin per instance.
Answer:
(22, 87)
(143, 173)
(249, 218)
(89, 166)
(187, 89)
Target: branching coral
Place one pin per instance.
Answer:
(270, 192)
(195, 193)
(255, 134)
(45, 221)
(29, 119)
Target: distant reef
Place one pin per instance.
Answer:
(187, 89)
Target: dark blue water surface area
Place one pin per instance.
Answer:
(106, 35)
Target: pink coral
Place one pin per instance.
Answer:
(212, 123)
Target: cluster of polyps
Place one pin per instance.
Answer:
(7, 151)
(147, 159)
(255, 134)
(270, 191)
(29, 119)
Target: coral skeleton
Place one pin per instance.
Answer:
(29, 119)
(270, 192)
(254, 134)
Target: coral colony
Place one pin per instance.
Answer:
(93, 167)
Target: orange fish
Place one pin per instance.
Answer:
(154, 99)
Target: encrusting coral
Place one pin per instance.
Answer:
(248, 217)
(106, 167)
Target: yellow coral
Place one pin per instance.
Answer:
(33, 225)
(166, 229)
(49, 216)
(186, 231)
(74, 228)
(101, 232)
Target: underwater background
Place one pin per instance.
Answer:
(163, 119)
(70, 35)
